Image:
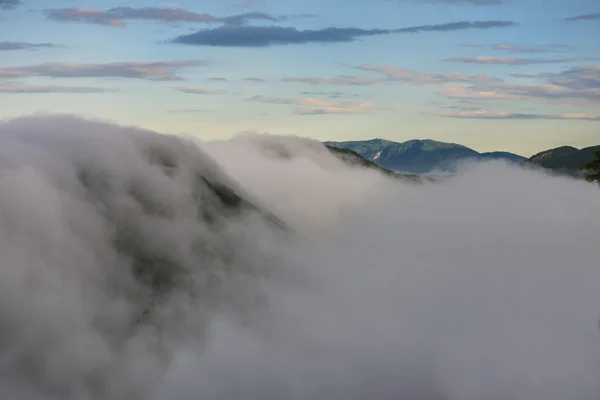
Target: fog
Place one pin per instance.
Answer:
(485, 286)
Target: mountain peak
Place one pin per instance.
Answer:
(416, 155)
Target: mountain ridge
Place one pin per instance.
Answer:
(418, 156)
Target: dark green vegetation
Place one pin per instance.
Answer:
(418, 156)
(158, 269)
(592, 168)
(565, 159)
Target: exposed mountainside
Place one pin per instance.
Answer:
(565, 159)
(353, 158)
(418, 156)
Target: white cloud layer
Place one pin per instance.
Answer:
(485, 286)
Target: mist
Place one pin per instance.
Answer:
(484, 286)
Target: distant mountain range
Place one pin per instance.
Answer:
(419, 156)
(423, 156)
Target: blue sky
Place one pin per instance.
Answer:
(514, 75)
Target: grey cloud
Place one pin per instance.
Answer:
(550, 48)
(297, 16)
(340, 80)
(462, 105)
(190, 111)
(408, 76)
(312, 106)
(200, 90)
(217, 79)
(117, 16)
(584, 17)
(157, 71)
(256, 80)
(472, 2)
(532, 76)
(456, 26)
(249, 3)
(523, 48)
(331, 95)
(243, 18)
(579, 85)
(7, 46)
(262, 36)
(506, 115)
(508, 61)
(39, 89)
(9, 4)
(393, 74)
(90, 16)
(578, 78)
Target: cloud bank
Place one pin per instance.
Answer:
(262, 36)
(484, 286)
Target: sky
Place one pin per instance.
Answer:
(512, 75)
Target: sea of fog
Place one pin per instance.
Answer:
(485, 286)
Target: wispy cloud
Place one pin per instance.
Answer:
(408, 76)
(532, 76)
(340, 80)
(117, 16)
(9, 4)
(200, 90)
(578, 78)
(472, 2)
(87, 15)
(579, 85)
(249, 3)
(584, 17)
(7, 46)
(463, 105)
(507, 115)
(155, 71)
(217, 79)
(331, 95)
(524, 48)
(311, 106)
(262, 36)
(255, 80)
(389, 73)
(549, 48)
(509, 60)
(190, 111)
(18, 88)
